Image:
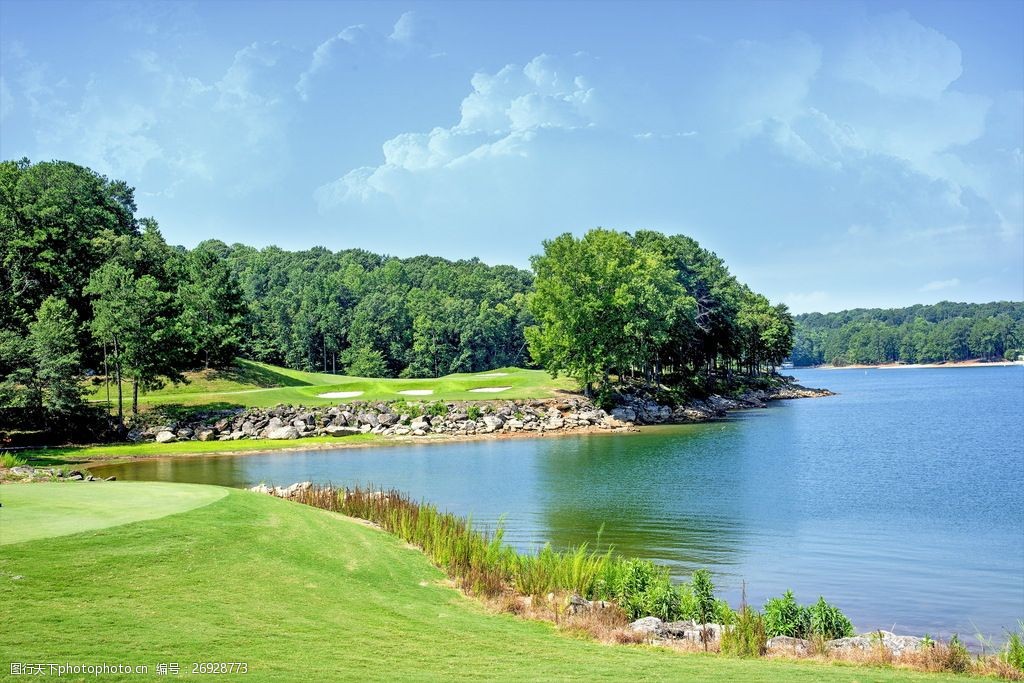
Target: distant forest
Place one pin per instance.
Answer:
(945, 331)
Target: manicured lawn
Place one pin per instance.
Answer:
(72, 454)
(256, 384)
(297, 593)
(44, 510)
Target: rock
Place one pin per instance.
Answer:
(75, 477)
(275, 423)
(340, 431)
(166, 437)
(648, 625)
(184, 433)
(898, 645)
(206, 434)
(554, 423)
(493, 422)
(624, 414)
(387, 419)
(23, 470)
(368, 419)
(283, 433)
(419, 425)
(788, 645)
(365, 429)
(110, 479)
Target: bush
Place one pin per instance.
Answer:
(703, 597)
(958, 659)
(828, 622)
(784, 617)
(437, 409)
(1013, 655)
(747, 636)
(474, 412)
(11, 460)
(724, 614)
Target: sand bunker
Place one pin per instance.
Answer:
(417, 392)
(493, 374)
(489, 390)
(340, 394)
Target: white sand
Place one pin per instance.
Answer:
(417, 392)
(341, 394)
(493, 374)
(489, 390)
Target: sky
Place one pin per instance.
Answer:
(835, 155)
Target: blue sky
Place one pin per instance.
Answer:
(834, 154)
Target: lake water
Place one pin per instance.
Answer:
(901, 499)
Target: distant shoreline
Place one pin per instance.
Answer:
(917, 366)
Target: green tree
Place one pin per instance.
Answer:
(211, 307)
(53, 339)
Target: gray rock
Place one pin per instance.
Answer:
(334, 430)
(898, 645)
(206, 434)
(624, 414)
(789, 645)
(419, 425)
(275, 423)
(387, 419)
(649, 625)
(493, 422)
(166, 437)
(283, 433)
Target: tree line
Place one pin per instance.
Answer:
(946, 331)
(89, 288)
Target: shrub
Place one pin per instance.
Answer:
(1013, 654)
(11, 460)
(784, 617)
(958, 659)
(437, 409)
(746, 638)
(474, 412)
(828, 622)
(724, 614)
(703, 597)
(661, 600)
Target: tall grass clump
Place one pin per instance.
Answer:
(746, 637)
(11, 460)
(1013, 653)
(828, 621)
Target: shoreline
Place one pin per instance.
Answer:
(431, 438)
(916, 366)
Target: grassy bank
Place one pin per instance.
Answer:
(295, 592)
(251, 384)
(149, 449)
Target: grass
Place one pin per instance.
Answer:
(252, 384)
(75, 454)
(45, 510)
(296, 593)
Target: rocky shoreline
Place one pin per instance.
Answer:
(458, 418)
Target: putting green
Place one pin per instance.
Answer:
(32, 511)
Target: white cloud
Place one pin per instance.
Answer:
(937, 285)
(360, 40)
(897, 56)
(499, 118)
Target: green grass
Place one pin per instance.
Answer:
(44, 510)
(78, 454)
(256, 384)
(297, 593)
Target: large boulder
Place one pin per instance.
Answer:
(282, 433)
(493, 422)
(647, 625)
(623, 414)
(166, 437)
(335, 430)
(206, 434)
(788, 645)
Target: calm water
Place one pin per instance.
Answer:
(901, 499)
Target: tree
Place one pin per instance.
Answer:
(601, 304)
(211, 307)
(53, 339)
(135, 320)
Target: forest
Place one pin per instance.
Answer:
(89, 289)
(941, 332)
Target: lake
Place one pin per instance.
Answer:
(901, 499)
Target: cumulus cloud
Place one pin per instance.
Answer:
(358, 41)
(896, 55)
(499, 118)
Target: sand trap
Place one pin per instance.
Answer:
(417, 392)
(493, 374)
(340, 394)
(489, 390)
